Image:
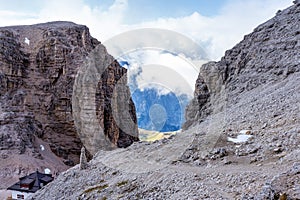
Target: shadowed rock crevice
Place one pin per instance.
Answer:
(113, 97)
(103, 110)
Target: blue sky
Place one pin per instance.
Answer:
(150, 10)
(153, 9)
(137, 11)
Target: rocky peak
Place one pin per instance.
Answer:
(269, 54)
(38, 65)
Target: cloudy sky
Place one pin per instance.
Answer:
(214, 25)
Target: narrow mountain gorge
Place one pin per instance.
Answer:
(252, 93)
(38, 66)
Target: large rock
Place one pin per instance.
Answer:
(103, 110)
(38, 65)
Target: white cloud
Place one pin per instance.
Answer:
(102, 23)
(9, 18)
(215, 34)
(219, 33)
(163, 71)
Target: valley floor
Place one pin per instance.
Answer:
(156, 171)
(200, 163)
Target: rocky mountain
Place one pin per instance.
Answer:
(241, 139)
(267, 56)
(38, 66)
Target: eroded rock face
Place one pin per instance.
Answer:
(103, 110)
(38, 65)
(18, 126)
(267, 55)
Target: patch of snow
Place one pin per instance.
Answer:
(245, 132)
(240, 138)
(42, 147)
(47, 171)
(27, 41)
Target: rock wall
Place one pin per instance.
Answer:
(38, 65)
(103, 110)
(18, 126)
(267, 55)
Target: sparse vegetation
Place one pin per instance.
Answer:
(151, 136)
(120, 184)
(131, 188)
(98, 188)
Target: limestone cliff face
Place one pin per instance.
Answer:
(267, 55)
(38, 65)
(103, 110)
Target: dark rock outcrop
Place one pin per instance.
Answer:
(38, 65)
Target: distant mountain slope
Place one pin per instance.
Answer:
(159, 112)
